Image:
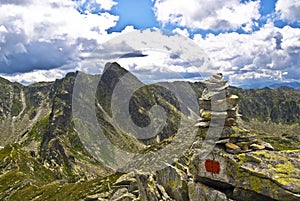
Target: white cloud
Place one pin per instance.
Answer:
(45, 39)
(37, 76)
(183, 32)
(89, 5)
(91, 59)
(288, 9)
(48, 34)
(255, 56)
(155, 57)
(213, 14)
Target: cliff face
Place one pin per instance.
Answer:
(44, 157)
(21, 108)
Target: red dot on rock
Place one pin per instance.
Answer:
(212, 166)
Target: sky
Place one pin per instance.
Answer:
(254, 43)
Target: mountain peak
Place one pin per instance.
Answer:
(111, 76)
(114, 66)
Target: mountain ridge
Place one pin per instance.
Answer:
(43, 130)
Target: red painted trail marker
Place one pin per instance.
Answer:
(212, 166)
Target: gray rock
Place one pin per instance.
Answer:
(199, 192)
(270, 174)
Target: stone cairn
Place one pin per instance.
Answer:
(218, 119)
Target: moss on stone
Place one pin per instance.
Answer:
(237, 129)
(206, 115)
(248, 158)
(278, 180)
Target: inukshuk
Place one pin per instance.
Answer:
(219, 119)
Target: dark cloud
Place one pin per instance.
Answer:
(16, 2)
(134, 54)
(174, 56)
(278, 40)
(38, 55)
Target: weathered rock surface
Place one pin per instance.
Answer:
(264, 175)
(260, 175)
(21, 108)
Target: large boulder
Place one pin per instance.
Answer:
(263, 175)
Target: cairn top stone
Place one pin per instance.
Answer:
(216, 78)
(216, 83)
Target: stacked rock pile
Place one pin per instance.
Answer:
(218, 119)
(217, 103)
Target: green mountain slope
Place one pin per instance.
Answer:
(280, 105)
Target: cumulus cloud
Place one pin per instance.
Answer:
(183, 32)
(42, 40)
(255, 56)
(152, 56)
(213, 14)
(42, 35)
(94, 5)
(37, 76)
(288, 10)
(160, 66)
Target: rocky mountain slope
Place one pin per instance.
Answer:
(279, 105)
(44, 158)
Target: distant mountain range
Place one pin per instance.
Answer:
(294, 85)
(269, 84)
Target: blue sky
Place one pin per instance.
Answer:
(140, 14)
(136, 13)
(253, 43)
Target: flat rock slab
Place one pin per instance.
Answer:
(274, 174)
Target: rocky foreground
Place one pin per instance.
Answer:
(236, 167)
(259, 175)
